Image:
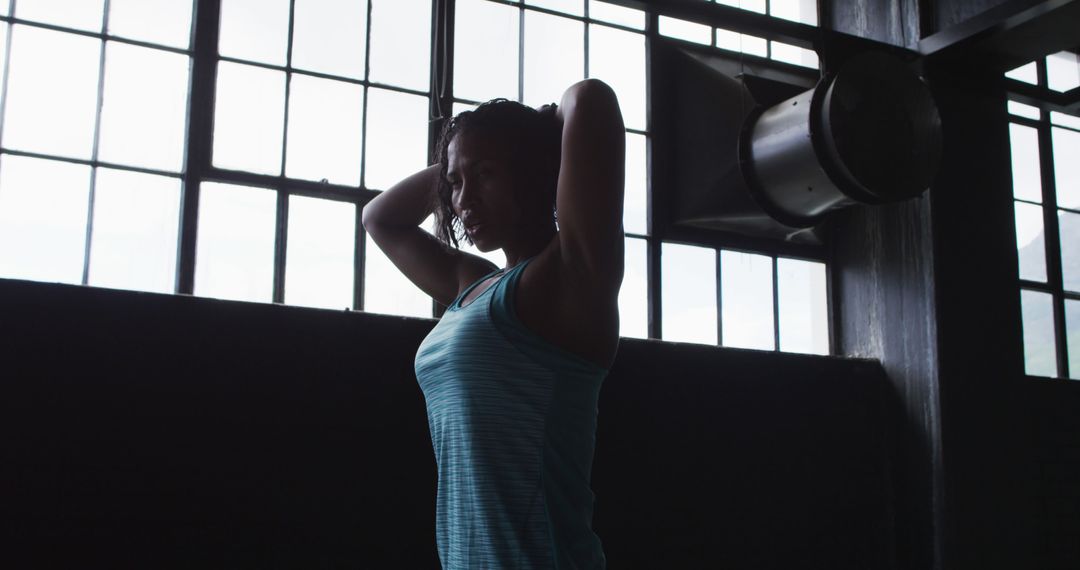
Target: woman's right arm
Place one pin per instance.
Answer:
(393, 219)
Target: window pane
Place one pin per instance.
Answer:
(683, 30)
(575, 7)
(235, 251)
(136, 218)
(1069, 225)
(255, 30)
(144, 107)
(804, 11)
(794, 55)
(397, 137)
(1039, 345)
(1027, 184)
(165, 22)
(1062, 71)
(804, 321)
(617, 14)
(1027, 73)
(387, 290)
(634, 294)
(1067, 167)
(462, 107)
(485, 50)
(1072, 333)
(325, 130)
(1022, 110)
(80, 14)
(401, 43)
(743, 43)
(4, 4)
(1030, 241)
(746, 288)
(43, 219)
(1071, 121)
(688, 293)
(752, 5)
(554, 57)
(635, 205)
(329, 37)
(249, 117)
(618, 58)
(52, 92)
(319, 253)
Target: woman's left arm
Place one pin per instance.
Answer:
(589, 199)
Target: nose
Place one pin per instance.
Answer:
(465, 196)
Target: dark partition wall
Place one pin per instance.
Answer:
(158, 431)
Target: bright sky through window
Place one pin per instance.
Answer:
(52, 92)
(633, 296)
(163, 22)
(78, 14)
(485, 50)
(319, 256)
(746, 288)
(43, 202)
(249, 118)
(1030, 245)
(688, 288)
(133, 245)
(1038, 329)
(1027, 181)
(554, 57)
(236, 242)
(144, 107)
(325, 131)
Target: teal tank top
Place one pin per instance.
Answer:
(513, 425)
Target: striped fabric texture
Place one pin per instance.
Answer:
(513, 426)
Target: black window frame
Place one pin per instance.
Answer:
(198, 168)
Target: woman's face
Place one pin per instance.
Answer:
(484, 189)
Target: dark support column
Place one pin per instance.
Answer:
(883, 280)
(883, 276)
(985, 432)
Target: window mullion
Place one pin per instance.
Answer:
(441, 102)
(199, 133)
(1052, 243)
(94, 150)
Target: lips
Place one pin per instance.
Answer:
(472, 225)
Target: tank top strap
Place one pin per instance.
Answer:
(456, 304)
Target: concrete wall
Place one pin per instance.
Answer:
(145, 430)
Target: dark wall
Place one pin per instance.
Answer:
(145, 430)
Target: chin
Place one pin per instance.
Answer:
(485, 247)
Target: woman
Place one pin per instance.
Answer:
(512, 371)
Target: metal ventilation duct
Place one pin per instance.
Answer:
(869, 134)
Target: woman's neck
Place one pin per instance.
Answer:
(532, 243)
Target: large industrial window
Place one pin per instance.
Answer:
(1046, 197)
(230, 157)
